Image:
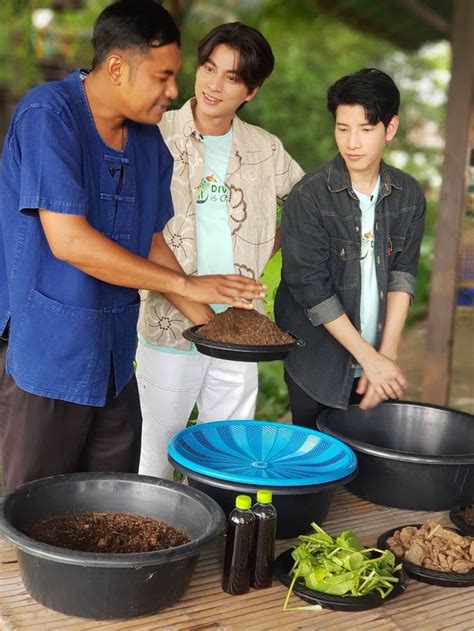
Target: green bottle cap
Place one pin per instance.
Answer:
(244, 502)
(264, 497)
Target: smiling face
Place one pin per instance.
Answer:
(149, 83)
(361, 144)
(219, 90)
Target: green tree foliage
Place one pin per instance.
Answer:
(422, 77)
(312, 50)
(17, 60)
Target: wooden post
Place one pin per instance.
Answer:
(459, 128)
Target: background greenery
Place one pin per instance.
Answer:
(312, 50)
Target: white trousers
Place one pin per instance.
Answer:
(171, 384)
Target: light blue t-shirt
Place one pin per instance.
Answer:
(214, 241)
(213, 236)
(369, 301)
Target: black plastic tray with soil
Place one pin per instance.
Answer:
(107, 533)
(423, 574)
(242, 335)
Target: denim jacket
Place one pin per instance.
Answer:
(321, 279)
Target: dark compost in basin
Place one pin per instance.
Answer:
(108, 586)
(411, 455)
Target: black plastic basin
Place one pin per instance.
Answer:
(411, 455)
(302, 467)
(108, 586)
(296, 506)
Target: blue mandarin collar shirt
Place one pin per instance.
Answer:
(66, 326)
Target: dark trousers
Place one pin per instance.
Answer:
(304, 409)
(41, 437)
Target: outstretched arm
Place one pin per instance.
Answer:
(73, 240)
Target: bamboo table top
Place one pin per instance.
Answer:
(205, 607)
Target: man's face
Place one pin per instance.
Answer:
(149, 83)
(219, 89)
(361, 144)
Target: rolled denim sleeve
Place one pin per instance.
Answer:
(402, 281)
(305, 254)
(402, 275)
(326, 311)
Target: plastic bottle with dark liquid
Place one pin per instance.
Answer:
(264, 546)
(238, 549)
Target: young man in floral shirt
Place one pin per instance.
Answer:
(227, 178)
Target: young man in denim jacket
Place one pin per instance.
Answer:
(351, 234)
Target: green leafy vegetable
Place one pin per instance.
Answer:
(341, 566)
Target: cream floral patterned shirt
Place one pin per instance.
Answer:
(259, 173)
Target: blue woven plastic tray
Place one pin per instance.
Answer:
(270, 454)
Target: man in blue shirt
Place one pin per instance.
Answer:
(80, 228)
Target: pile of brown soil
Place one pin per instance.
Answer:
(107, 533)
(244, 327)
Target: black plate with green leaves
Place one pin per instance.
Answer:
(284, 563)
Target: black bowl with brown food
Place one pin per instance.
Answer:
(432, 553)
(463, 518)
(242, 335)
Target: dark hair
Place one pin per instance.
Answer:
(256, 59)
(132, 25)
(371, 88)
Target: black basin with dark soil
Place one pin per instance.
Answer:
(107, 586)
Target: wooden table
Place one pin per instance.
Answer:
(205, 607)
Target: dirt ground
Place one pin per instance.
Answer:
(412, 354)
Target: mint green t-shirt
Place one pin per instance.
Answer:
(213, 236)
(369, 301)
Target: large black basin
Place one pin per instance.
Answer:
(411, 455)
(302, 467)
(107, 586)
(296, 506)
